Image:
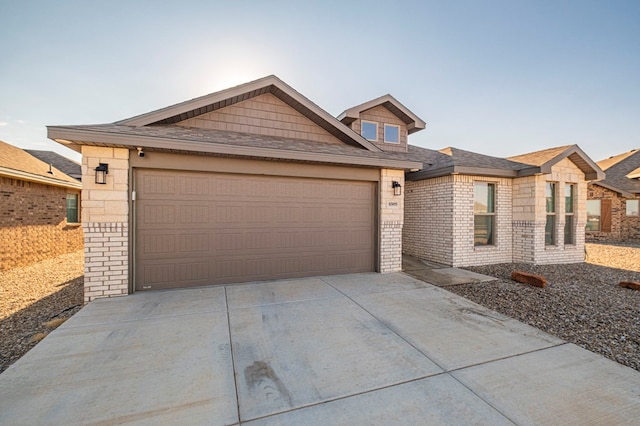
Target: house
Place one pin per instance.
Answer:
(39, 210)
(613, 205)
(256, 182)
(466, 209)
(65, 165)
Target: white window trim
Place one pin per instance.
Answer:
(369, 122)
(625, 208)
(384, 133)
(573, 211)
(494, 214)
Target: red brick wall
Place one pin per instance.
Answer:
(33, 223)
(623, 228)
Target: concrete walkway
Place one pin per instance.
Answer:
(351, 349)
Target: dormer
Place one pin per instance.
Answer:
(383, 121)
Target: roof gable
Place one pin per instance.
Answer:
(264, 115)
(413, 122)
(623, 171)
(542, 161)
(18, 164)
(613, 160)
(224, 98)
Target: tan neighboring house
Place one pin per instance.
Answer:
(251, 183)
(613, 205)
(39, 210)
(466, 209)
(256, 182)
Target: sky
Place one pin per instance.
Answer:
(497, 77)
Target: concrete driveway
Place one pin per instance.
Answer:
(351, 349)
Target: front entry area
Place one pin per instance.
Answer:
(201, 228)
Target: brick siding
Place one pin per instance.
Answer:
(33, 223)
(105, 220)
(439, 223)
(106, 260)
(623, 228)
(391, 221)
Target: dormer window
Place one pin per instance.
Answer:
(391, 133)
(370, 130)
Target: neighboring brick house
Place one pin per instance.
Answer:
(65, 165)
(613, 205)
(39, 208)
(465, 209)
(257, 182)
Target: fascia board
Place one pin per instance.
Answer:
(622, 192)
(19, 174)
(133, 141)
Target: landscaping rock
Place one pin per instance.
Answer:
(527, 278)
(633, 285)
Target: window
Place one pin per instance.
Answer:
(633, 207)
(369, 130)
(569, 199)
(593, 215)
(72, 208)
(484, 213)
(391, 133)
(550, 227)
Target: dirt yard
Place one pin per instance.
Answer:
(35, 299)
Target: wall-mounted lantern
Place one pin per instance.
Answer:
(397, 188)
(101, 173)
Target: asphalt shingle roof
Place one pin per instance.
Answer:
(58, 161)
(14, 159)
(618, 168)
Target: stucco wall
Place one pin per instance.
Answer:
(105, 220)
(33, 223)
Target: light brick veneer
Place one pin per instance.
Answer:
(106, 257)
(439, 219)
(391, 221)
(105, 220)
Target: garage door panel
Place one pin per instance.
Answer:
(221, 228)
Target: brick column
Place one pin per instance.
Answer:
(391, 221)
(105, 221)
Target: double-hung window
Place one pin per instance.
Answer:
(484, 213)
(569, 202)
(550, 227)
(72, 208)
(633, 207)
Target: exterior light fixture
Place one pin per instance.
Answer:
(101, 173)
(397, 188)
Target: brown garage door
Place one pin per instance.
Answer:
(195, 228)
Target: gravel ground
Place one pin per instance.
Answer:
(34, 300)
(582, 303)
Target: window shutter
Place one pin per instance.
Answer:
(605, 215)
